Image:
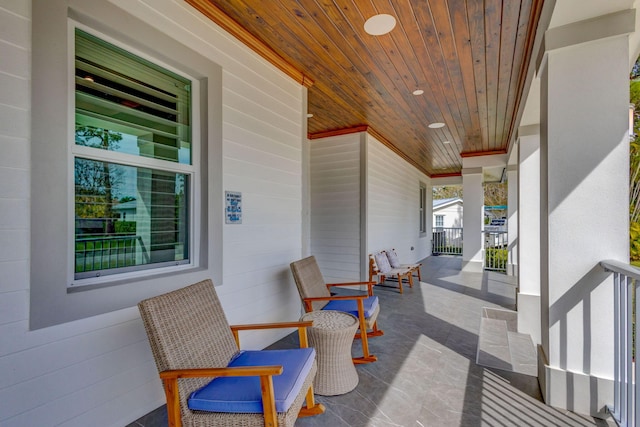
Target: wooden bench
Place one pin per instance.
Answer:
(379, 266)
(395, 263)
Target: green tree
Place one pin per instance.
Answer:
(447, 192)
(496, 193)
(94, 180)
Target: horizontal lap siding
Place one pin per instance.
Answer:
(335, 206)
(15, 40)
(99, 371)
(393, 204)
(262, 160)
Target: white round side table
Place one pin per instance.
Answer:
(332, 336)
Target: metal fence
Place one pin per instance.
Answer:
(447, 241)
(496, 251)
(626, 398)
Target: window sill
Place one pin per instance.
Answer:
(129, 278)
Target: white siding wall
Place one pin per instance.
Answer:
(393, 204)
(99, 371)
(335, 206)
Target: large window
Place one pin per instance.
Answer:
(126, 162)
(132, 156)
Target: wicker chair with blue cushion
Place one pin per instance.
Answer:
(208, 381)
(316, 295)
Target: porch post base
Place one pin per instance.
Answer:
(528, 308)
(574, 391)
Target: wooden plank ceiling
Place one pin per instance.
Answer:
(468, 56)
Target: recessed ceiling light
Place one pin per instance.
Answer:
(309, 115)
(380, 24)
(418, 92)
(436, 125)
(446, 142)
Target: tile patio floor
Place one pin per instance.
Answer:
(426, 373)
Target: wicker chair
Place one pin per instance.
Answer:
(315, 295)
(192, 343)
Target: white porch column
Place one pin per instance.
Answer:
(472, 218)
(529, 232)
(584, 204)
(512, 213)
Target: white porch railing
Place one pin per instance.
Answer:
(626, 397)
(495, 251)
(447, 241)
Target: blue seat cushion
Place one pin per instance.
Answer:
(242, 394)
(351, 306)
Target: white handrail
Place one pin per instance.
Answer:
(620, 267)
(626, 280)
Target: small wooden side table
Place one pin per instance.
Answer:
(332, 336)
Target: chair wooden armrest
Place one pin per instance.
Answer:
(348, 284)
(301, 325)
(240, 371)
(336, 297)
(370, 285)
(170, 381)
(250, 326)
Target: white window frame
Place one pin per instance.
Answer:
(441, 218)
(192, 171)
(422, 213)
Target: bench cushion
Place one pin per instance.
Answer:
(382, 262)
(392, 256)
(242, 394)
(351, 306)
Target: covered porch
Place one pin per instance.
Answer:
(426, 374)
(73, 351)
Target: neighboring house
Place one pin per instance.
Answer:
(127, 210)
(447, 213)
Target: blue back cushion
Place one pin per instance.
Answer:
(351, 306)
(242, 394)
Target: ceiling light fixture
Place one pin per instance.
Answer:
(436, 125)
(446, 142)
(309, 115)
(380, 24)
(418, 92)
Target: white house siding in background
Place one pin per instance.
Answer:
(335, 206)
(451, 210)
(393, 202)
(99, 371)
